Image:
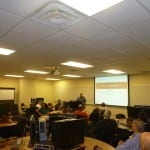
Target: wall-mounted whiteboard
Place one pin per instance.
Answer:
(7, 93)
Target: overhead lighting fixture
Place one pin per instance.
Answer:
(71, 75)
(113, 71)
(76, 64)
(51, 79)
(4, 51)
(90, 7)
(36, 71)
(14, 76)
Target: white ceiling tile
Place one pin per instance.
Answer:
(39, 46)
(145, 3)
(28, 32)
(8, 45)
(22, 7)
(139, 32)
(109, 40)
(36, 29)
(63, 39)
(88, 28)
(2, 31)
(123, 14)
(8, 20)
(18, 39)
(84, 46)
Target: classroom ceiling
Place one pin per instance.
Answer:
(116, 38)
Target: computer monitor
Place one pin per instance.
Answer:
(133, 112)
(55, 117)
(4, 109)
(40, 99)
(68, 133)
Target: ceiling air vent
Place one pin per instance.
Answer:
(57, 13)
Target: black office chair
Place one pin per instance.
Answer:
(106, 130)
(14, 109)
(20, 128)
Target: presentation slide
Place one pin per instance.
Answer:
(112, 90)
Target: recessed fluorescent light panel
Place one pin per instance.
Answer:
(51, 79)
(76, 64)
(113, 71)
(4, 51)
(14, 76)
(90, 7)
(71, 75)
(36, 71)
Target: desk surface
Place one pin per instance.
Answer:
(124, 124)
(89, 143)
(7, 124)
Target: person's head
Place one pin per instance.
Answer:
(137, 125)
(44, 105)
(59, 101)
(22, 104)
(38, 101)
(80, 107)
(81, 94)
(103, 104)
(107, 114)
(145, 141)
(96, 110)
(95, 115)
(50, 105)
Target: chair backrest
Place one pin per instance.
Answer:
(14, 109)
(106, 130)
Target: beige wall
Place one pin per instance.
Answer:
(70, 89)
(29, 88)
(140, 89)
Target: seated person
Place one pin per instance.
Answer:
(95, 115)
(94, 119)
(145, 141)
(23, 108)
(133, 143)
(38, 106)
(59, 105)
(80, 113)
(50, 107)
(44, 109)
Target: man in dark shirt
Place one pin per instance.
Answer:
(82, 100)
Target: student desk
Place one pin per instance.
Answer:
(125, 124)
(7, 129)
(7, 124)
(89, 144)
